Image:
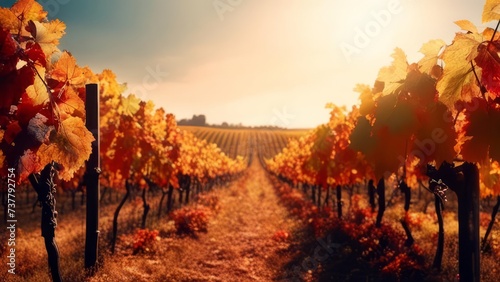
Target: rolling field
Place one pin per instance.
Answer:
(242, 142)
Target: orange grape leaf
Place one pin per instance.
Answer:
(491, 11)
(71, 103)
(458, 70)
(37, 92)
(70, 147)
(66, 70)
(8, 20)
(48, 35)
(467, 25)
(431, 51)
(488, 34)
(29, 10)
(394, 75)
(130, 105)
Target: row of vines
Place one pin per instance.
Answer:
(435, 121)
(43, 132)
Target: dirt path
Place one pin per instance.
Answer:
(237, 247)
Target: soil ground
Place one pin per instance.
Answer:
(238, 245)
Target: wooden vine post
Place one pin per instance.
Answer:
(464, 181)
(92, 179)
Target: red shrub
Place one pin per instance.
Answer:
(144, 239)
(189, 220)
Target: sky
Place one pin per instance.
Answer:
(255, 62)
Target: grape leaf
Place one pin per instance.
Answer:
(8, 58)
(13, 85)
(436, 137)
(130, 105)
(389, 152)
(394, 75)
(491, 11)
(8, 20)
(66, 70)
(431, 51)
(47, 35)
(366, 97)
(421, 87)
(458, 70)
(489, 173)
(28, 164)
(360, 138)
(35, 54)
(37, 92)
(38, 128)
(489, 61)
(70, 103)
(467, 25)
(28, 10)
(495, 135)
(70, 147)
(11, 132)
(480, 130)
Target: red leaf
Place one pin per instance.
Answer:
(489, 61)
(35, 53)
(12, 130)
(13, 86)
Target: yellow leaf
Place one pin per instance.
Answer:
(491, 11)
(394, 75)
(48, 35)
(431, 52)
(457, 67)
(467, 26)
(70, 147)
(38, 91)
(130, 105)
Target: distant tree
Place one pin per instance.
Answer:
(196, 120)
(199, 120)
